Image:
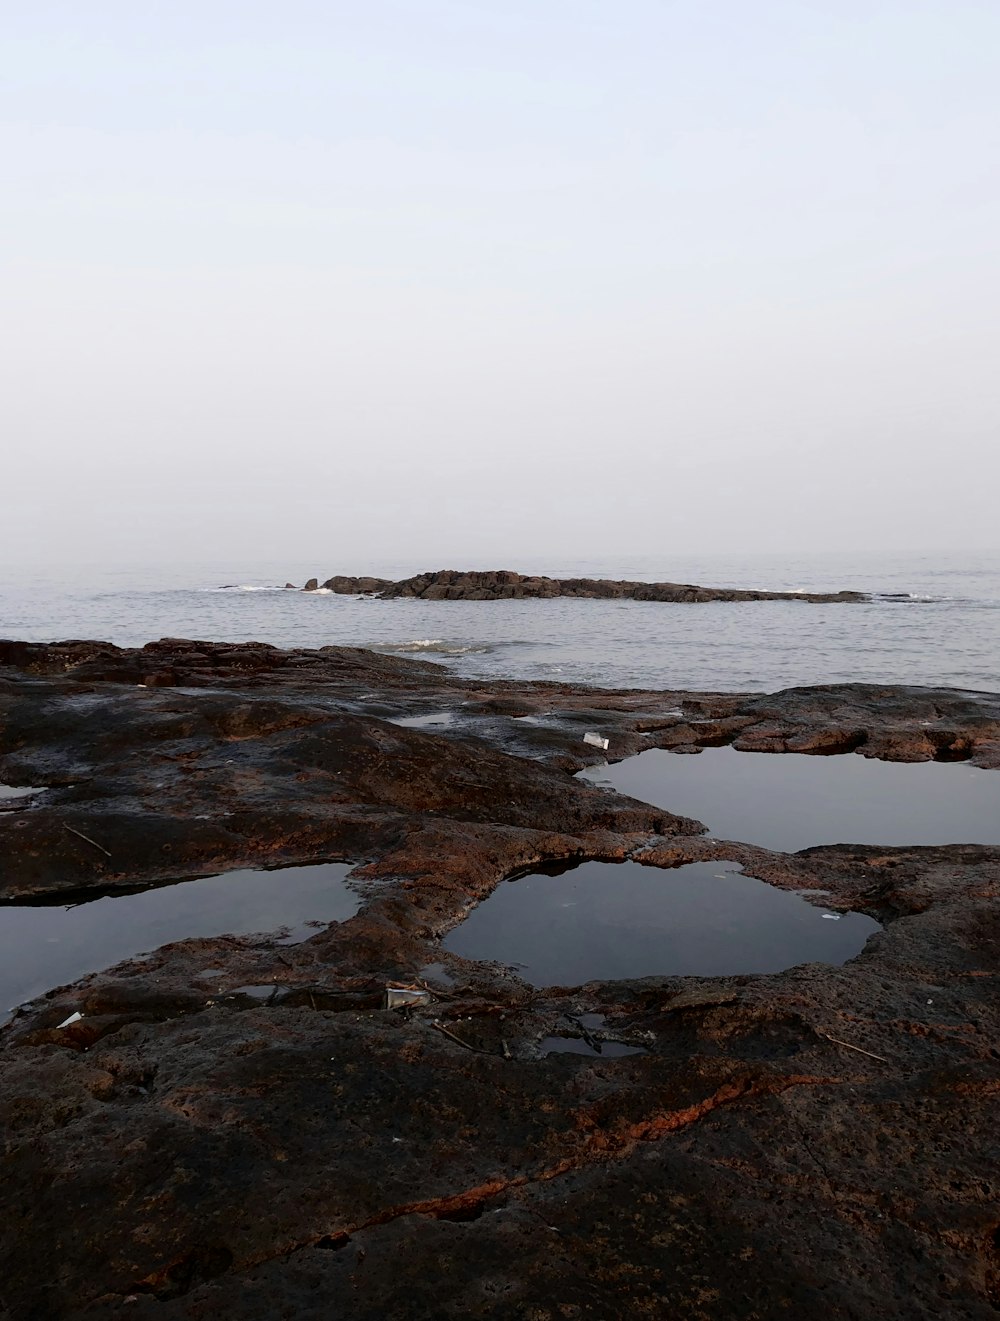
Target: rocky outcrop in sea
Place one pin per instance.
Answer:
(505, 584)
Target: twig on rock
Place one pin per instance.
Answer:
(81, 835)
(453, 1036)
(847, 1046)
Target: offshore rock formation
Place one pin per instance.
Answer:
(505, 584)
(816, 1142)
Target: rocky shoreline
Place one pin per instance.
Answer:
(506, 585)
(818, 1142)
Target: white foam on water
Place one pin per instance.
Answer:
(243, 587)
(439, 646)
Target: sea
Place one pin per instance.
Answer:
(932, 618)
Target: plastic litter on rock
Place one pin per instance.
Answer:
(405, 997)
(67, 1022)
(596, 741)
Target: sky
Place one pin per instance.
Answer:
(511, 278)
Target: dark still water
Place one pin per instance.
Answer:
(602, 921)
(788, 800)
(46, 945)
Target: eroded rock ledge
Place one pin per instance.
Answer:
(820, 1142)
(505, 584)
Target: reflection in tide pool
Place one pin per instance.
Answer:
(45, 946)
(789, 801)
(560, 1045)
(433, 720)
(7, 791)
(602, 921)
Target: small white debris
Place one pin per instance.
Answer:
(832, 917)
(596, 741)
(73, 1018)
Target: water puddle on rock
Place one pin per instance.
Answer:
(558, 1045)
(42, 946)
(433, 720)
(788, 800)
(9, 795)
(605, 921)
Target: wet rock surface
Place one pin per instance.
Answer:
(505, 585)
(238, 1128)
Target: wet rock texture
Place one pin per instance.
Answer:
(237, 1128)
(505, 584)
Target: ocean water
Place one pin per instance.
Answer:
(933, 619)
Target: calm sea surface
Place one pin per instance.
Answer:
(934, 619)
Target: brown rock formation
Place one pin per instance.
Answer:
(819, 1142)
(504, 584)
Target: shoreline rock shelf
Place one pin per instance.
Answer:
(254, 1134)
(506, 585)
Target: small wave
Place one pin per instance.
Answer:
(907, 598)
(440, 646)
(242, 587)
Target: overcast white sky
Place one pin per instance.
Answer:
(497, 277)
